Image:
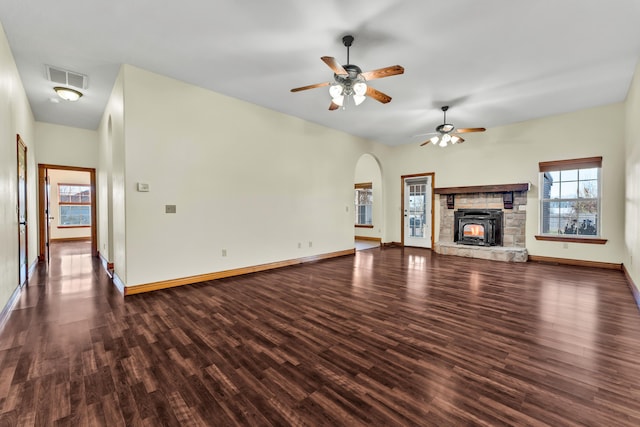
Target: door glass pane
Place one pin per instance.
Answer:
(417, 210)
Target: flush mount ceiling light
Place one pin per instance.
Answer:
(67, 94)
(350, 82)
(447, 134)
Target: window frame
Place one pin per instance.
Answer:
(362, 186)
(62, 204)
(570, 164)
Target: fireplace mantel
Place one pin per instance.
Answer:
(500, 188)
(506, 190)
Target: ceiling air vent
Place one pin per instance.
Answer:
(65, 77)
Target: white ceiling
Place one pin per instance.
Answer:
(494, 61)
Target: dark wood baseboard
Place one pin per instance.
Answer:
(632, 286)
(71, 239)
(577, 262)
(155, 286)
(370, 239)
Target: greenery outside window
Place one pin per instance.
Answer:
(75, 205)
(570, 195)
(364, 205)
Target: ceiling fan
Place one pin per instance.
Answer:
(446, 133)
(351, 82)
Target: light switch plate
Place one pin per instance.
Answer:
(169, 208)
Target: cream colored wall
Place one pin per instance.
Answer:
(244, 178)
(58, 176)
(66, 146)
(111, 232)
(632, 179)
(368, 170)
(15, 118)
(510, 154)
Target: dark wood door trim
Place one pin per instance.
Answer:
(42, 172)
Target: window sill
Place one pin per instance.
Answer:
(73, 226)
(589, 240)
(364, 225)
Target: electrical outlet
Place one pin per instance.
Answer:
(224, 252)
(299, 245)
(565, 245)
(310, 243)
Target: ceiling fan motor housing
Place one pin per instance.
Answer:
(445, 128)
(353, 77)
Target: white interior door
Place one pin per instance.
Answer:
(417, 212)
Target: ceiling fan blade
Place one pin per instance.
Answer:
(425, 143)
(377, 95)
(334, 65)
(425, 134)
(298, 89)
(460, 140)
(333, 106)
(383, 72)
(467, 130)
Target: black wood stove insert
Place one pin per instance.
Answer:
(478, 227)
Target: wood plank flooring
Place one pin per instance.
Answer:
(388, 337)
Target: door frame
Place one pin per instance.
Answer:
(21, 146)
(42, 218)
(402, 186)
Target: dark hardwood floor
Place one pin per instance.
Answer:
(387, 337)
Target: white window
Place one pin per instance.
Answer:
(570, 194)
(75, 205)
(364, 204)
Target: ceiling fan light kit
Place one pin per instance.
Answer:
(350, 83)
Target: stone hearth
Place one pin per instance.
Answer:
(510, 198)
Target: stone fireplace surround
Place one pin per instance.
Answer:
(511, 198)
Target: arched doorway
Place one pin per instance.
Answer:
(368, 202)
